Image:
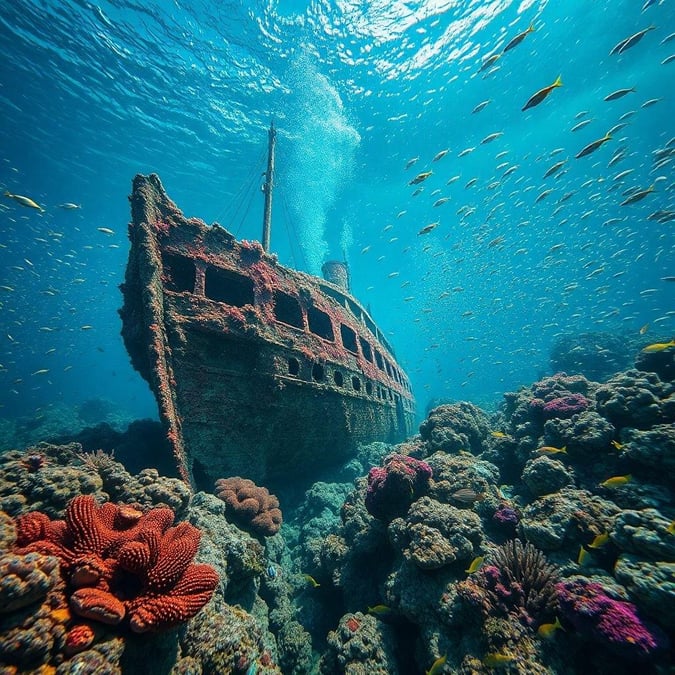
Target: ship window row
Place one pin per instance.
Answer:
(319, 374)
(236, 289)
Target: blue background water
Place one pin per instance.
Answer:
(91, 94)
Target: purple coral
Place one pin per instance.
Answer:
(392, 488)
(565, 406)
(507, 516)
(614, 623)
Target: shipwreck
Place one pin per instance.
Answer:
(258, 370)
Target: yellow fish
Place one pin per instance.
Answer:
(312, 580)
(495, 659)
(616, 481)
(379, 610)
(437, 665)
(24, 201)
(658, 347)
(475, 564)
(616, 445)
(420, 177)
(671, 527)
(546, 630)
(550, 450)
(599, 541)
(583, 556)
(499, 434)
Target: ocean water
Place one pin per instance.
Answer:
(93, 93)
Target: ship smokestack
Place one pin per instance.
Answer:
(337, 273)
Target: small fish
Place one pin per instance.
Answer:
(581, 125)
(519, 38)
(637, 196)
(24, 201)
(671, 528)
(465, 152)
(644, 329)
(437, 665)
(365, 249)
(617, 128)
(556, 167)
(599, 541)
(496, 659)
(550, 450)
(441, 201)
(491, 137)
(537, 98)
(42, 371)
(619, 93)
(632, 40)
(69, 206)
(668, 59)
(547, 630)
(583, 556)
(658, 347)
(667, 39)
(481, 106)
(428, 228)
(420, 177)
(616, 481)
(106, 230)
(488, 62)
(650, 102)
(380, 610)
(272, 571)
(312, 581)
(467, 496)
(616, 445)
(440, 155)
(542, 195)
(499, 434)
(592, 147)
(475, 564)
(623, 174)
(412, 161)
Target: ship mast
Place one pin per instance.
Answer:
(267, 188)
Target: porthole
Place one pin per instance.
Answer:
(293, 366)
(369, 388)
(356, 383)
(318, 372)
(338, 379)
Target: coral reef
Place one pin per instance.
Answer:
(613, 623)
(394, 486)
(454, 427)
(100, 547)
(251, 506)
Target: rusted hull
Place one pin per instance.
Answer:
(258, 370)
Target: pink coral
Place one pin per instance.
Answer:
(565, 406)
(392, 488)
(614, 623)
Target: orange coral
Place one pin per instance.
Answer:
(102, 548)
(251, 505)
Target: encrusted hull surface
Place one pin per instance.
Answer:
(258, 370)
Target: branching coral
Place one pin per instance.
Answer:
(517, 582)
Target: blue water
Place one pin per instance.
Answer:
(91, 94)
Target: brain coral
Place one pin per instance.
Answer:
(251, 506)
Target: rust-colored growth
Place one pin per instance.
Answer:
(250, 505)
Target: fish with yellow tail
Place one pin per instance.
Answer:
(547, 630)
(658, 347)
(550, 450)
(311, 580)
(379, 610)
(437, 665)
(592, 147)
(671, 528)
(537, 98)
(616, 445)
(24, 201)
(475, 564)
(519, 38)
(583, 556)
(498, 660)
(616, 481)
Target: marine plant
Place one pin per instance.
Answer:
(517, 582)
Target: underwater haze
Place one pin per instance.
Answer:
(534, 222)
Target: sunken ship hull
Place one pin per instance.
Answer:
(258, 370)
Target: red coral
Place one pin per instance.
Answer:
(251, 505)
(123, 564)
